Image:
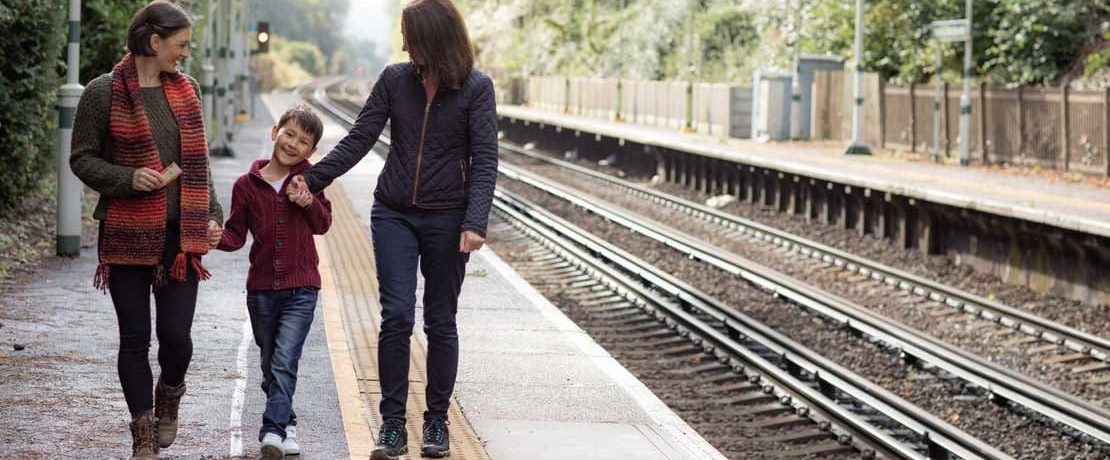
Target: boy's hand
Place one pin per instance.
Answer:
(146, 179)
(303, 198)
(296, 186)
(214, 234)
(470, 241)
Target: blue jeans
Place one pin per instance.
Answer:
(404, 240)
(280, 321)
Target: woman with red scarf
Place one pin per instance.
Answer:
(132, 124)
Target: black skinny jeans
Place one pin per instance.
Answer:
(130, 287)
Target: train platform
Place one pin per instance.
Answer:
(1069, 205)
(531, 384)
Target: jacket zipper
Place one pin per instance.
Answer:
(462, 169)
(420, 152)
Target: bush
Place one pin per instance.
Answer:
(33, 33)
(104, 34)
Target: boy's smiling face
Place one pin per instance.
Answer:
(292, 144)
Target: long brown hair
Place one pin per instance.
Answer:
(436, 39)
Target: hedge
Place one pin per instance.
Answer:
(33, 32)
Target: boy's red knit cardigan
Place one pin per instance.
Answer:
(283, 254)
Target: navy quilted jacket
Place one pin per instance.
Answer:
(443, 154)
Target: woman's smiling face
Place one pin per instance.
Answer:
(168, 51)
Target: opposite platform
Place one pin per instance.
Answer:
(1077, 207)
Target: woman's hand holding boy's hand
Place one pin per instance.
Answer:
(296, 185)
(214, 234)
(298, 192)
(146, 179)
(302, 198)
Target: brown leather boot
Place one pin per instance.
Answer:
(167, 400)
(144, 437)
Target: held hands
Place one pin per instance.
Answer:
(470, 241)
(214, 234)
(298, 192)
(146, 179)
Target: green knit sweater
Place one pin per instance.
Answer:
(91, 156)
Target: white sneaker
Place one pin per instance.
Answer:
(272, 447)
(290, 444)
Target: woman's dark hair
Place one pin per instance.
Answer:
(435, 35)
(159, 17)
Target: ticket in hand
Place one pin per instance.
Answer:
(170, 173)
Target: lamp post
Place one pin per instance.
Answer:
(67, 235)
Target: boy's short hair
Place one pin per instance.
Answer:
(306, 119)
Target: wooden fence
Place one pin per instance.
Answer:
(1048, 127)
(705, 107)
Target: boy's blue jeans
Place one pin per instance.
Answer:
(280, 321)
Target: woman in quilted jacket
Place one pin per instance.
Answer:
(431, 204)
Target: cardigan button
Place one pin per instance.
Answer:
(278, 261)
(277, 282)
(280, 242)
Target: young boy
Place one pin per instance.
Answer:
(283, 281)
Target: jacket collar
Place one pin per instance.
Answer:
(257, 165)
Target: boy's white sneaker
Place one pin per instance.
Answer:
(272, 447)
(290, 444)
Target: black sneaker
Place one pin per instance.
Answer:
(437, 443)
(393, 441)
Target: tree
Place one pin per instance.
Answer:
(1035, 41)
(104, 34)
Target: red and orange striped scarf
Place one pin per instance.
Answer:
(135, 227)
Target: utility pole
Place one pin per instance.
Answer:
(218, 143)
(795, 80)
(67, 234)
(936, 103)
(965, 98)
(209, 72)
(858, 147)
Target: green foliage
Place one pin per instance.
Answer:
(289, 63)
(104, 34)
(28, 76)
(1099, 59)
(1015, 41)
(304, 54)
(726, 34)
(1034, 41)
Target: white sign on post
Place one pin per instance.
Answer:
(951, 30)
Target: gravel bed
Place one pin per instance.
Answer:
(981, 337)
(1020, 435)
(940, 268)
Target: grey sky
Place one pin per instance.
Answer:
(370, 19)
